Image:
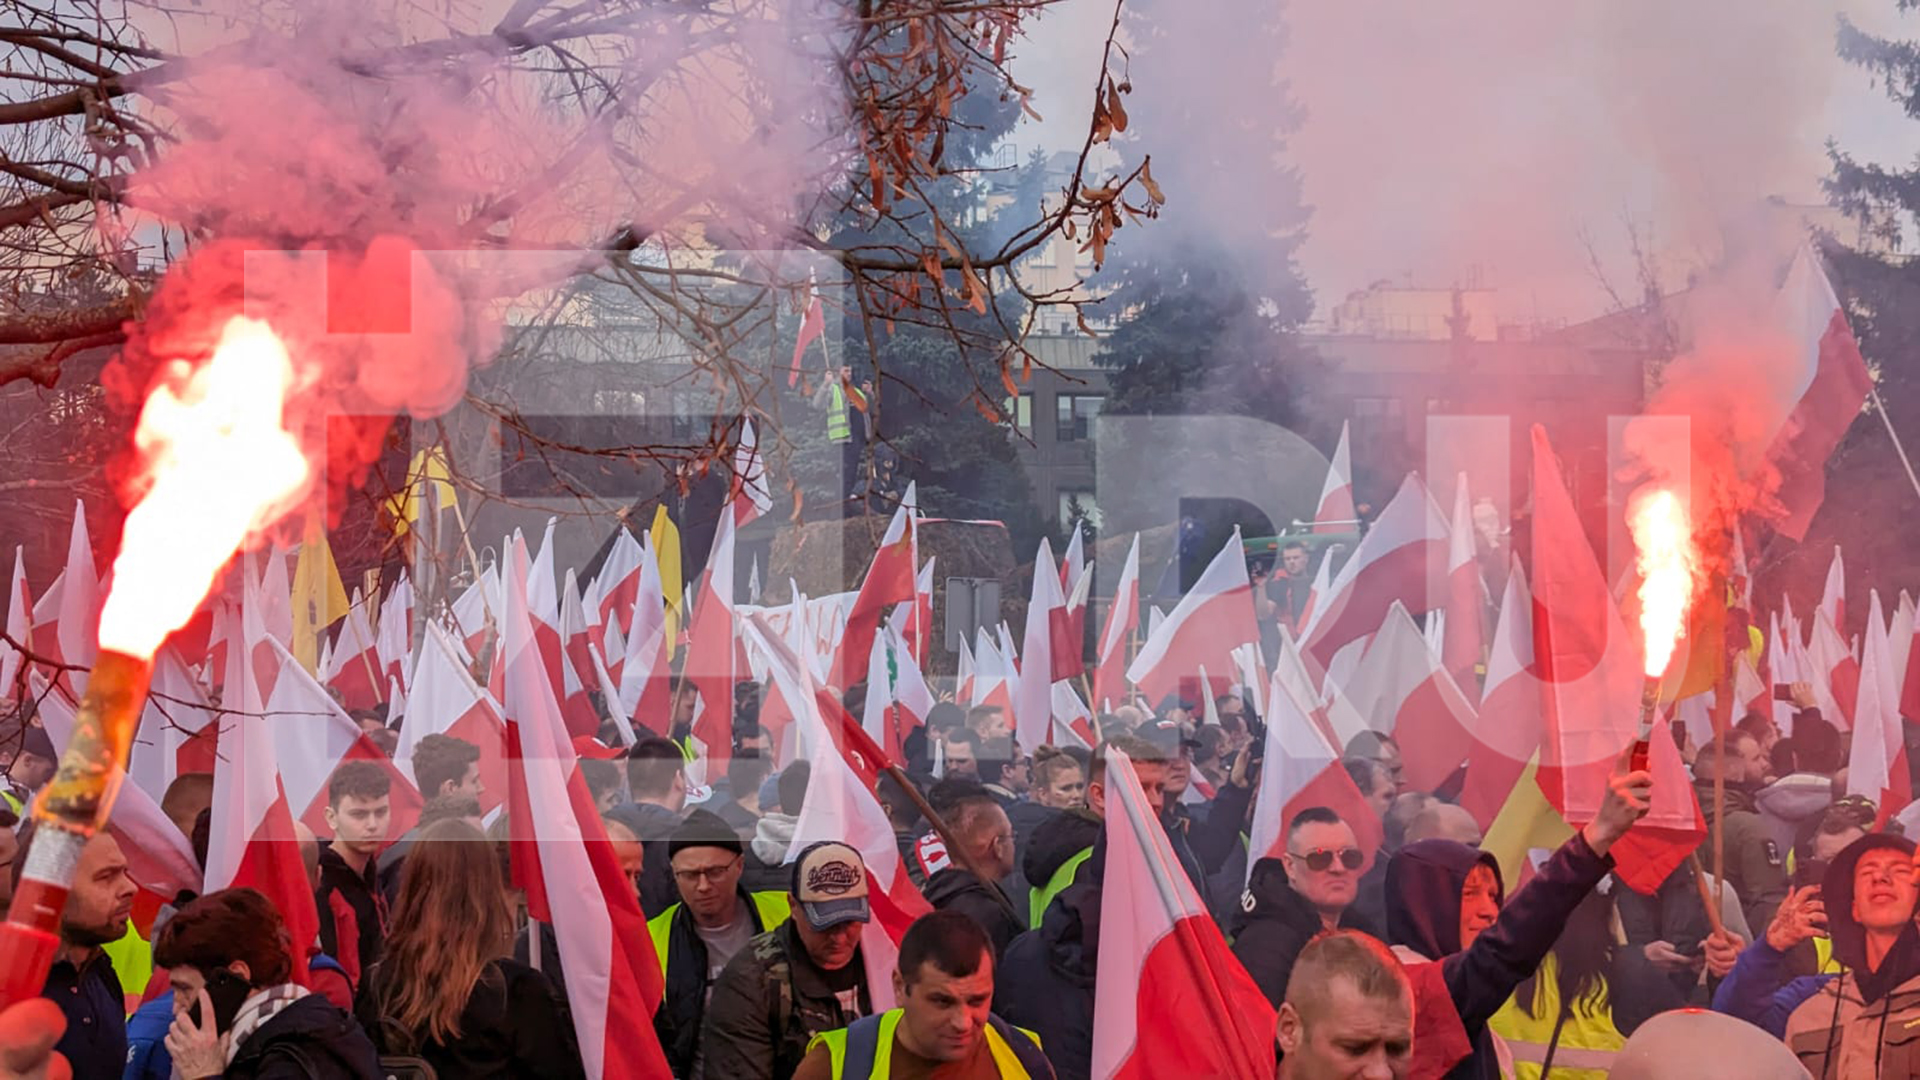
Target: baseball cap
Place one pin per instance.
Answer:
(830, 881)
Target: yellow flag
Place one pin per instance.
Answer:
(426, 472)
(1526, 820)
(319, 598)
(665, 536)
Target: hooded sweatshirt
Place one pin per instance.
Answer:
(1864, 1024)
(1275, 924)
(1424, 881)
(1046, 979)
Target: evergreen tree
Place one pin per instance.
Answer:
(1212, 297)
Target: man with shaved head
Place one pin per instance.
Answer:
(981, 827)
(1348, 1011)
(1444, 821)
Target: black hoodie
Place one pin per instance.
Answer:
(1056, 840)
(1423, 914)
(954, 889)
(307, 1039)
(1275, 924)
(1045, 981)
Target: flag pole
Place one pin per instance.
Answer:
(1881, 408)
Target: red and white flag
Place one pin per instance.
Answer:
(394, 639)
(1782, 670)
(1750, 694)
(890, 580)
(1828, 383)
(313, 737)
(712, 649)
(1401, 688)
(353, 667)
(1397, 560)
(994, 675)
(1302, 770)
(1590, 675)
(812, 325)
(19, 630)
(1212, 620)
(1833, 672)
(611, 594)
(1046, 616)
(1123, 619)
(446, 701)
(66, 619)
(1833, 596)
(750, 497)
(177, 731)
(576, 674)
(646, 681)
(1507, 732)
(914, 622)
(475, 608)
(1335, 513)
(561, 857)
(1169, 997)
(1076, 581)
(543, 608)
(251, 843)
(1877, 764)
(1464, 639)
(276, 596)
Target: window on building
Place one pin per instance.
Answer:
(1074, 415)
(1020, 409)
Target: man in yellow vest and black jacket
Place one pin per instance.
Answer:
(695, 938)
(945, 988)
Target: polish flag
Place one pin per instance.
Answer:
(446, 701)
(543, 607)
(1401, 688)
(66, 620)
(813, 324)
(1590, 674)
(915, 622)
(1072, 720)
(276, 596)
(1123, 619)
(1829, 384)
(19, 630)
(1076, 582)
(177, 733)
(1302, 770)
(1394, 561)
(1877, 764)
(646, 681)
(1833, 598)
(576, 639)
(963, 673)
(994, 675)
(750, 497)
(610, 693)
(1338, 721)
(1507, 732)
(476, 608)
(614, 589)
(1750, 695)
(1335, 513)
(711, 652)
(1212, 620)
(1834, 673)
(840, 805)
(881, 718)
(890, 580)
(394, 639)
(561, 857)
(1464, 638)
(252, 843)
(353, 667)
(1046, 616)
(1899, 637)
(313, 737)
(1169, 998)
(910, 687)
(1783, 671)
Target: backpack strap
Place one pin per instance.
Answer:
(863, 1048)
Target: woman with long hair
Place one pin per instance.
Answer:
(446, 988)
(1560, 1019)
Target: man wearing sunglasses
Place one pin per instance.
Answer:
(714, 919)
(1289, 899)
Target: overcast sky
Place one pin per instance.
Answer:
(1444, 139)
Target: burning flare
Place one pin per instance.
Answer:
(221, 468)
(1666, 560)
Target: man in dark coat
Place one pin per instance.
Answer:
(1289, 899)
(981, 826)
(1445, 904)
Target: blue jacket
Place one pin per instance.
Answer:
(1761, 991)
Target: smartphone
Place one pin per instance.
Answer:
(227, 992)
(1782, 691)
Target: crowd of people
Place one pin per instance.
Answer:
(1420, 959)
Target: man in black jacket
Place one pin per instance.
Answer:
(353, 913)
(1445, 903)
(982, 828)
(1288, 900)
(226, 957)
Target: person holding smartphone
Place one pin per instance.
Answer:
(237, 1012)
